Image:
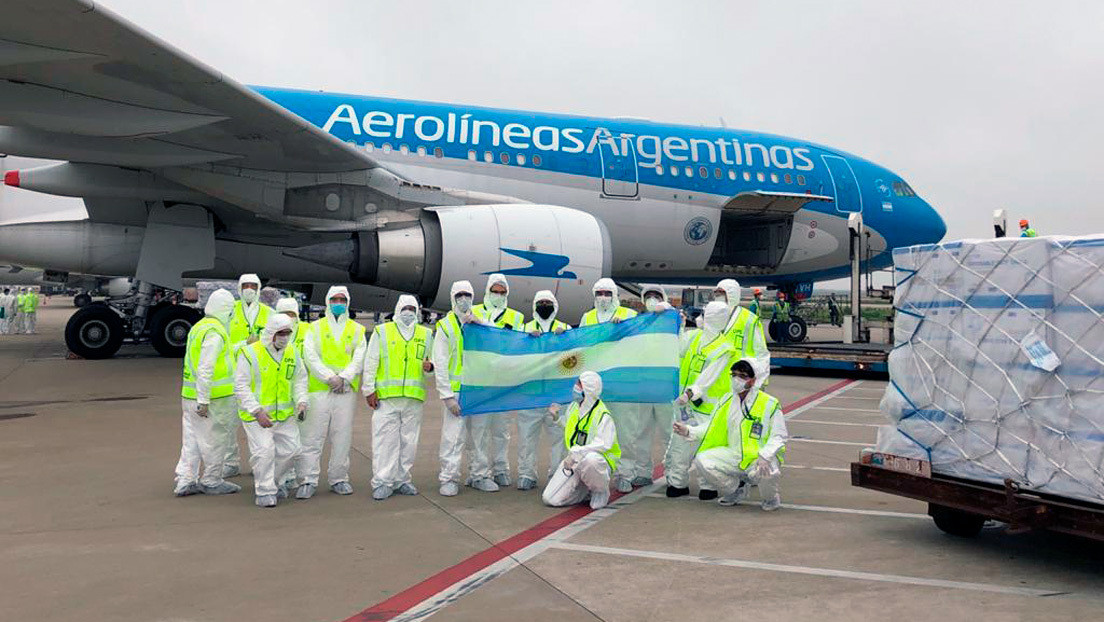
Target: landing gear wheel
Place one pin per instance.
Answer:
(956, 522)
(94, 332)
(169, 329)
(775, 332)
(796, 330)
(81, 301)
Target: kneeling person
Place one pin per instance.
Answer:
(744, 443)
(590, 438)
(397, 358)
(270, 383)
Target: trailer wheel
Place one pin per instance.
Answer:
(956, 522)
(796, 330)
(773, 331)
(82, 300)
(169, 329)
(94, 332)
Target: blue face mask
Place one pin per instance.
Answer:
(577, 394)
(338, 309)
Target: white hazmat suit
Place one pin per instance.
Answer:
(532, 422)
(584, 472)
(761, 361)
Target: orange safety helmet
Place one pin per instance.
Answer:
(757, 291)
(1024, 223)
(781, 296)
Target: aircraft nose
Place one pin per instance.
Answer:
(928, 225)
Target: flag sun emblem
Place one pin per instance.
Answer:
(570, 363)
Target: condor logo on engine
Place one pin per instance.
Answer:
(545, 265)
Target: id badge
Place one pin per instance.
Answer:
(756, 430)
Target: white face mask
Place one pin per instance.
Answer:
(249, 296)
(463, 304)
(496, 300)
(280, 341)
(406, 317)
(739, 385)
(721, 297)
(603, 303)
(651, 304)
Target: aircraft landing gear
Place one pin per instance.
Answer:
(82, 300)
(98, 330)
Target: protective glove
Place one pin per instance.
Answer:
(202, 409)
(261, 415)
(301, 411)
(335, 383)
(373, 399)
(616, 320)
(452, 405)
(761, 469)
(535, 333)
(683, 398)
(252, 339)
(558, 330)
(570, 461)
(553, 413)
(681, 429)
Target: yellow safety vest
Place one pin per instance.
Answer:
(509, 318)
(532, 325)
(450, 326)
(222, 381)
(583, 426)
(742, 335)
(621, 313)
(400, 366)
(270, 381)
(716, 435)
(28, 303)
(695, 361)
(336, 355)
(240, 328)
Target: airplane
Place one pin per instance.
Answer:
(186, 173)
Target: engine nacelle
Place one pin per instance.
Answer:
(536, 246)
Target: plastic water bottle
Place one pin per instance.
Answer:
(686, 418)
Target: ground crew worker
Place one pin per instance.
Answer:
(334, 354)
(745, 330)
(626, 415)
(780, 314)
(394, 387)
(457, 431)
(756, 302)
(246, 323)
(7, 311)
(1026, 231)
(210, 411)
(590, 439)
(30, 311)
(531, 422)
(744, 443)
(270, 382)
(494, 311)
(653, 421)
(703, 384)
(290, 308)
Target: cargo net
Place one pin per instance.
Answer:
(998, 366)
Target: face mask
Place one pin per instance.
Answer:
(721, 297)
(739, 385)
(249, 296)
(406, 317)
(338, 309)
(603, 303)
(294, 318)
(651, 304)
(545, 311)
(280, 341)
(496, 300)
(463, 304)
(577, 394)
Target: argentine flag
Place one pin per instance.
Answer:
(510, 370)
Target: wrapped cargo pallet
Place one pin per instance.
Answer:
(998, 366)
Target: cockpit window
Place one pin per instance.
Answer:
(902, 189)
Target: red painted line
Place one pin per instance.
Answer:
(408, 598)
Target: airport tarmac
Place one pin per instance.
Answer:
(89, 528)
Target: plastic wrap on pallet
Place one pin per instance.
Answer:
(998, 366)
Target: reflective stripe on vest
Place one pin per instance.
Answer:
(400, 366)
(574, 424)
(450, 326)
(240, 328)
(270, 381)
(532, 325)
(741, 335)
(717, 433)
(509, 317)
(222, 380)
(621, 313)
(695, 361)
(335, 355)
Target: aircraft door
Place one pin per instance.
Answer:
(620, 177)
(848, 197)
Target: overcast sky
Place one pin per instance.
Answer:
(978, 105)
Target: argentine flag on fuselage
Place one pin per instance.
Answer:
(510, 370)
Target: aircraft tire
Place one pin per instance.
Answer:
(796, 330)
(81, 301)
(169, 329)
(94, 332)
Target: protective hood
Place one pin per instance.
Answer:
(606, 284)
(407, 300)
(460, 287)
(732, 292)
(592, 390)
(269, 296)
(249, 278)
(284, 305)
(644, 289)
(220, 306)
(333, 291)
(496, 279)
(714, 319)
(545, 295)
(275, 324)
